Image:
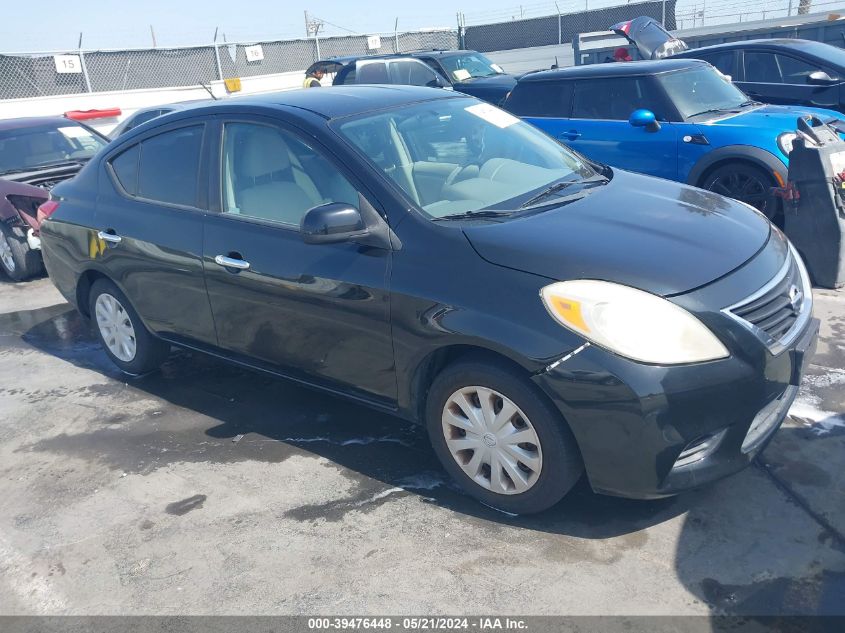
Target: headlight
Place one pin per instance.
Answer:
(632, 323)
(785, 142)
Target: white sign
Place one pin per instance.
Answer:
(373, 41)
(67, 63)
(493, 115)
(254, 53)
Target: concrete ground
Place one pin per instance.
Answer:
(207, 489)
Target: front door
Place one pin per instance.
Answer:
(783, 79)
(319, 311)
(148, 238)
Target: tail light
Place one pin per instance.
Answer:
(46, 210)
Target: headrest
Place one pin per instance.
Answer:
(263, 152)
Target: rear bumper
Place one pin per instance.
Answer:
(649, 432)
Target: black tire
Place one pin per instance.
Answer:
(743, 181)
(17, 259)
(561, 459)
(150, 352)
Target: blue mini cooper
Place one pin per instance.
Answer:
(679, 119)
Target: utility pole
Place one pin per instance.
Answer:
(153, 33)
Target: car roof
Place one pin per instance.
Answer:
(339, 101)
(780, 42)
(24, 122)
(614, 69)
(348, 59)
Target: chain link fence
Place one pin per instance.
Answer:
(29, 75)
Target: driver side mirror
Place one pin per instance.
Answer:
(820, 78)
(438, 82)
(644, 118)
(332, 223)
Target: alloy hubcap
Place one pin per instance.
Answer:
(492, 440)
(742, 186)
(6, 255)
(115, 327)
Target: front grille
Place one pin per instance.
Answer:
(776, 311)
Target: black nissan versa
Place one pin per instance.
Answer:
(431, 255)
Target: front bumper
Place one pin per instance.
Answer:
(633, 422)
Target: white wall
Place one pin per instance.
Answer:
(131, 100)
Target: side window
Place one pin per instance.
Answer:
(541, 99)
(412, 73)
(169, 167)
(270, 174)
(372, 73)
(796, 71)
(614, 99)
(346, 76)
(125, 167)
(723, 61)
(762, 67)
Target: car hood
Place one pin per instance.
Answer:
(491, 89)
(648, 233)
(777, 117)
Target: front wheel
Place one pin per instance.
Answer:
(125, 338)
(743, 182)
(499, 438)
(18, 260)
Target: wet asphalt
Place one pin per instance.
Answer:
(208, 489)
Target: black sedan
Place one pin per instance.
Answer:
(780, 71)
(430, 255)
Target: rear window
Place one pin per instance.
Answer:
(163, 168)
(541, 99)
(372, 73)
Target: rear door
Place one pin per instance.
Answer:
(316, 311)
(149, 219)
(599, 125)
(783, 79)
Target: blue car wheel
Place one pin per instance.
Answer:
(744, 182)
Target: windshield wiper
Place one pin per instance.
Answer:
(481, 213)
(560, 186)
(710, 111)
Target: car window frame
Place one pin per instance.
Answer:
(202, 200)
(216, 164)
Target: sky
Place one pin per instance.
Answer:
(51, 25)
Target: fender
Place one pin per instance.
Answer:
(767, 161)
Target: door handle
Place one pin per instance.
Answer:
(231, 262)
(571, 135)
(111, 238)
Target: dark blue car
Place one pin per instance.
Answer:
(676, 118)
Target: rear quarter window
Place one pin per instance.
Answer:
(541, 99)
(125, 169)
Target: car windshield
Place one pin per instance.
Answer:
(469, 66)
(457, 156)
(701, 90)
(36, 146)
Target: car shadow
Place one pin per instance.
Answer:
(736, 552)
(249, 415)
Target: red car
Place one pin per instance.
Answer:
(35, 154)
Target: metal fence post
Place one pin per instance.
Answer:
(559, 28)
(396, 36)
(84, 71)
(217, 60)
(663, 13)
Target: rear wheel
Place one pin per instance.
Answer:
(744, 182)
(499, 438)
(18, 260)
(125, 338)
